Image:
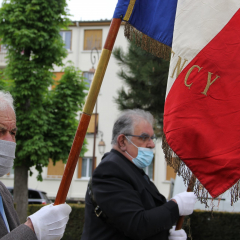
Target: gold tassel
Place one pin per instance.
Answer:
(147, 43)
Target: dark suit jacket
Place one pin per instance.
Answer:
(134, 206)
(19, 232)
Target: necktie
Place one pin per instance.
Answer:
(3, 214)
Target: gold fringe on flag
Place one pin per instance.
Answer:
(147, 43)
(182, 170)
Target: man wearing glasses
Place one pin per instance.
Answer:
(121, 200)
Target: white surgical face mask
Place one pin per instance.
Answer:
(7, 155)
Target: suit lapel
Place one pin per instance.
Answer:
(147, 183)
(3, 229)
(152, 189)
(10, 212)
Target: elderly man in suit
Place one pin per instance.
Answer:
(50, 221)
(121, 201)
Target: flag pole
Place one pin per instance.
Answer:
(87, 112)
(190, 189)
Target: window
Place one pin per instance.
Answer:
(150, 170)
(33, 194)
(88, 78)
(3, 48)
(3, 53)
(85, 167)
(67, 37)
(92, 39)
(55, 171)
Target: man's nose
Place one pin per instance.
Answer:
(151, 143)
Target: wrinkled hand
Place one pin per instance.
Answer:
(177, 234)
(186, 202)
(50, 221)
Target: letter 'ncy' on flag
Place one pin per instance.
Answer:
(202, 110)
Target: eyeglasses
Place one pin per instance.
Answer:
(144, 137)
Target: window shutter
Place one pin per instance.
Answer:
(92, 39)
(55, 171)
(95, 162)
(56, 78)
(170, 173)
(153, 168)
(79, 168)
(92, 123)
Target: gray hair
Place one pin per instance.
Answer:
(126, 122)
(6, 100)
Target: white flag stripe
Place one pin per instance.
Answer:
(197, 22)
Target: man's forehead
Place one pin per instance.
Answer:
(143, 127)
(7, 117)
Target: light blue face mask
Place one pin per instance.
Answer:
(144, 157)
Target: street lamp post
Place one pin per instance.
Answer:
(101, 144)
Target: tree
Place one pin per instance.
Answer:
(45, 119)
(62, 105)
(146, 78)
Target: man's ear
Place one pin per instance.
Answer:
(121, 142)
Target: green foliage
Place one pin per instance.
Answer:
(45, 119)
(33, 26)
(66, 100)
(146, 78)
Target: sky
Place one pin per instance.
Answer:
(83, 10)
(91, 9)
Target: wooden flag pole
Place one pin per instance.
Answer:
(87, 112)
(190, 189)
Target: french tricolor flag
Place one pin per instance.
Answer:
(202, 108)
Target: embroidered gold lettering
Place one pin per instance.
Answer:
(209, 82)
(173, 53)
(188, 73)
(178, 66)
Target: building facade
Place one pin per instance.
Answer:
(84, 41)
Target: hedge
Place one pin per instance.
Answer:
(201, 225)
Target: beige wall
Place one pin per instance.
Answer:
(107, 111)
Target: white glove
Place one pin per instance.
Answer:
(177, 234)
(186, 202)
(50, 221)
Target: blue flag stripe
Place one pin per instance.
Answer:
(155, 18)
